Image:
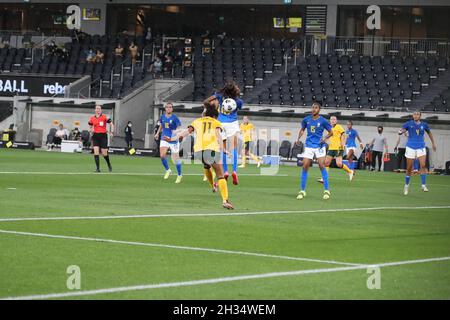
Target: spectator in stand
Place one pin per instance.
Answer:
(64, 55)
(129, 135)
(168, 65)
(4, 44)
(148, 36)
(118, 51)
(222, 35)
(178, 60)
(156, 66)
(206, 35)
(377, 145)
(99, 56)
(133, 48)
(170, 51)
(90, 56)
(51, 47)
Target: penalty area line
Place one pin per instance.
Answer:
(150, 174)
(168, 246)
(218, 280)
(221, 214)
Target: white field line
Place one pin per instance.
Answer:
(137, 174)
(123, 173)
(220, 214)
(167, 246)
(217, 280)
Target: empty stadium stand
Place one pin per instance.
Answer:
(338, 81)
(247, 61)
(352, 82)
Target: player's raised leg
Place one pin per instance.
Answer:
(423, 172)
(304, 178)
(350, 154)
(244, 155)
(327, 164)
(175, 149)
(224, 158)
(343, 166)
(323, 170)
(409, 168)
(163, 157)
(223, 187)
(209, 175)
(234, 142)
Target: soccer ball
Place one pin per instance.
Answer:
(228, 105)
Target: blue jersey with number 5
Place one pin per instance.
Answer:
(315, 128)
(169, 124)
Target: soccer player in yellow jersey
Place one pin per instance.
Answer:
(247, 129)
(207, 147)
(336, 148)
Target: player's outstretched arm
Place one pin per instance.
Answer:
(432, 140)
(111, 128)
(219, 139)
(181, 134)
(360, 141)
(156, 136)
(396, 145)
(343, 140)
(209, 101)
(328, 136)
(300, 134)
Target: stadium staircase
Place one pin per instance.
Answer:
(6, 110)
(435, 97)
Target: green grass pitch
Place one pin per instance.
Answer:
(160, 240)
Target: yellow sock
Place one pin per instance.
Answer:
(223, 187)
(244, 159)
(208, 175)
(346, 169)
(213, 173)
(255, 158)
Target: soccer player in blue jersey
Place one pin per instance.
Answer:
(169, 124)
(350, 145)
(415, 148)
(229, 122)
(315, 146)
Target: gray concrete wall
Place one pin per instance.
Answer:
(137, 107)
(42, 118)
(332, 19)
(24, 120)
